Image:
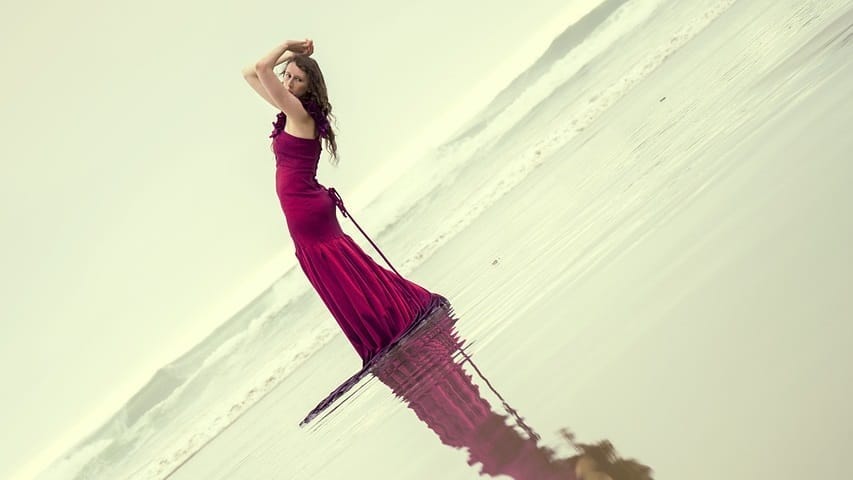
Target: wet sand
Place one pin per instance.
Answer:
(675, 280)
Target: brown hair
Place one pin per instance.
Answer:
(318, 95)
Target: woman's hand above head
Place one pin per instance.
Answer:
(301, 47)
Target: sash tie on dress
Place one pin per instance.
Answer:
(336, 197)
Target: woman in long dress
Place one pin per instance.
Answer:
(373, 306)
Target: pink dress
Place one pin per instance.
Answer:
(373, 306)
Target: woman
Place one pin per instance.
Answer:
(372, 305)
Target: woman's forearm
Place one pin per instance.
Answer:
(279, 55)
(284, 57)
(250, 69)
(276, 56)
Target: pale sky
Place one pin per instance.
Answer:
(138, 208)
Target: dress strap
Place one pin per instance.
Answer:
(340, 203)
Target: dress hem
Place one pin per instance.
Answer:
(436, 301)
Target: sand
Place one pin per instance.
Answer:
(676, 280)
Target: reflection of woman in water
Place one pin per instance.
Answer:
(422, 370)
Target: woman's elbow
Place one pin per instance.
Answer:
(262, 65)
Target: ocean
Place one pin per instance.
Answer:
(644, 237)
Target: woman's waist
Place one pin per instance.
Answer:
(297, 184)
(297, 165)
(296, 173)
(286, 157)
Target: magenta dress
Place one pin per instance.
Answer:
(372, 305)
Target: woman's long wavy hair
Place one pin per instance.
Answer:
(318, 94)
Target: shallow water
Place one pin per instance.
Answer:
(673, 279)
(647, 241)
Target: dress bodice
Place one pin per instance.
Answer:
(288, 146)
(296, 161)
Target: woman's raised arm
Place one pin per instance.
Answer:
(253, 80)
(276, 92)
(250, 71)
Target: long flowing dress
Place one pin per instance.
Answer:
(373, 306)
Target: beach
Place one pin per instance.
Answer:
(647, 242)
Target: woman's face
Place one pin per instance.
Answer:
(295, 80)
